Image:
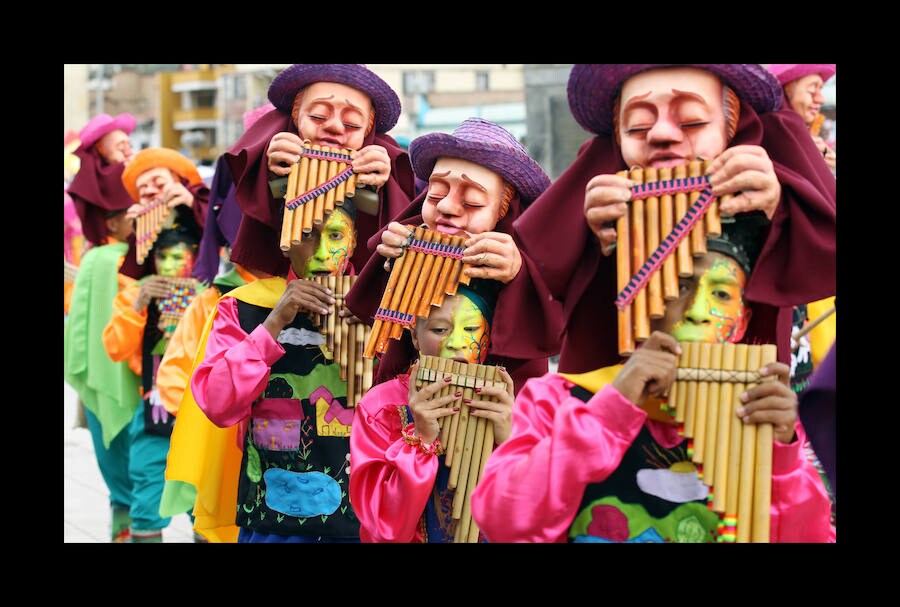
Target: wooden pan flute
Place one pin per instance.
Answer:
(468, 441)
(345, 341)
(733, 459)
(149, 222)
(430, 269)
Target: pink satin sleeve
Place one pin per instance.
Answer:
(390, 480)
(801, 508)
(534, 482)
(235, 367)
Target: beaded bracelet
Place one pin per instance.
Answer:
(433, 448)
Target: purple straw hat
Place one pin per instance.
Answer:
(100, 125)
(788, 72)
(290, 80)
(485, 143)
(593, 88)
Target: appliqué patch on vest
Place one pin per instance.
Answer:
(300, 337)
(301, 494)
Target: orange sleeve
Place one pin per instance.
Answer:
(175, 367)
(124, 332)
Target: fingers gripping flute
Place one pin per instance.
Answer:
(671, 213)
(149, 222)
(346, 341)
(733, 459)
(171, 308)
(469, 440)
(430, 268)
(321, 179)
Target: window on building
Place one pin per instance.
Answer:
(482, 82)
(418, 81)
(204, 98)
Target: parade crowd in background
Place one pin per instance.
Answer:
(339, 339)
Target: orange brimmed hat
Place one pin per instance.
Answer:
(153, 158)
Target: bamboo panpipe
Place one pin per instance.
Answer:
(344, 340)
(321, 180)
(149, 222)
(429, 270)
(171, 308)
(656, 242)
(733, 459)
(468, 441)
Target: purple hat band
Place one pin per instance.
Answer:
(593, 88)
(100, 125)
(484, 143)
(285, 85)
(788, 72)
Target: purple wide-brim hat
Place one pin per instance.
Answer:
(593, 88)
(487, 144)
(788, 72)
(284, 88)
(100, 125)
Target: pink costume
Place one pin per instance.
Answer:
(533, 484)
(391, 480)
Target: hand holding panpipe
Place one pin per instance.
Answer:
(321, 179)
(430, 268)
(468, 440)
(171, 307)
(733, 459)
(150, 220)
(345, 340)
(669, 217)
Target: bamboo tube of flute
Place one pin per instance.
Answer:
(407, 303)
(351, 377)
(448, 269)
(331, 194)
(734, 440)
(468, 443)
(368, 365)
(474, 467)
(424, 277)
(351, 181)
(623, 275)
(701, 406)
(672, 402)
(318, 204)
(453, 368)
(690, 400)
(666, 225)
(678, 391)
(711, 220)
(309, 206)
(287, 221)
(340, 350)
(684, 262)
(492, 378)
(340, 192)
(433, 278)
(457, 276)
(655, 305)
(638, 257)
(765, 443)
(359, 335)
(390, 300)
(345, 349)
(723, 430)
(442, 365)
(712, 418)
(300, 188)
(748, 463)
(698, 234)
(332, 284)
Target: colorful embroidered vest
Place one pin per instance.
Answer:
(293, 478)
(654, 495)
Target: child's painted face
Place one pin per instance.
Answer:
(710, 307)
(176, 261)
(670, 116)
(457, 330)
(463, 198)
(336, 246)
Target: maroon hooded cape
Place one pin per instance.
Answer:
(797, 263)
(257, 243)
(509, 336)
